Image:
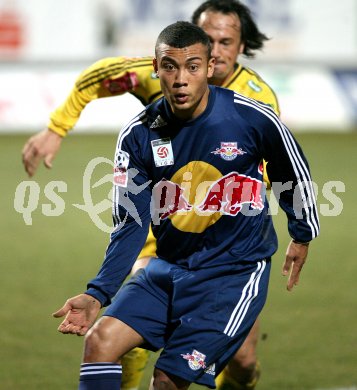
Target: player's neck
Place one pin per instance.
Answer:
(220, 82)
(223, 81)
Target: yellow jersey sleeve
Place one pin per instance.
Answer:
(107, 77)
(149, 249)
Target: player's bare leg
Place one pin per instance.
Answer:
(242, 371)
(105, 343)
(108, 340)
(164, 381)
(135, 361)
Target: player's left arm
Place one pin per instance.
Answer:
(290, 175)
(292, 185)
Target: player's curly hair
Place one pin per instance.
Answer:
(182, 34)
(251, 36)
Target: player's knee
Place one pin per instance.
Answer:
(164, 381)
(244, 361)
(97, 342)
(246, 356)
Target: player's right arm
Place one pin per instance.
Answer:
(107, 77)
(131, 216)
(131, 210)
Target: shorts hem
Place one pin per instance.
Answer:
(199, 381)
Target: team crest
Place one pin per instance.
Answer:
(229, 151)
(196, 360)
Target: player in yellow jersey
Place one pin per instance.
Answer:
(232, 32)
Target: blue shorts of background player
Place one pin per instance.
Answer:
(199, 317)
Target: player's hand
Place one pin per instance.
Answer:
(81, 311)
(295, 258)
(42, 146)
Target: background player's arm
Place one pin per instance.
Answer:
(43, 145)
(107, 77)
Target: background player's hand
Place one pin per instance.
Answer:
(43, 145)
(295, 258)
(81, 311)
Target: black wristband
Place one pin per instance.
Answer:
(301, 243)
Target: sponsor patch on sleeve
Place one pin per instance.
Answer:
(121, 164)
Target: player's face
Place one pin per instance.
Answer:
(183, 75)
(225, 35)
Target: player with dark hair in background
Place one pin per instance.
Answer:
(232, 32)
(198, 300)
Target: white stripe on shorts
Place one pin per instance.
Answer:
(249, 292)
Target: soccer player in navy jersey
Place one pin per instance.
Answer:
(215, 237)
(233, 32)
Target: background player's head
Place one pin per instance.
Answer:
(232, 31)
(183, 63)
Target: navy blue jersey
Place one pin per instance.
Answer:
(200, 184)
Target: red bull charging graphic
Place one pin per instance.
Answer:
(226, 196)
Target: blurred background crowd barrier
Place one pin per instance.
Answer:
(310, 60)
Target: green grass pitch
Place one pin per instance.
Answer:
(309, 338)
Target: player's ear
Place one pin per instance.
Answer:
(154, 63)
(210, 69)
(241, 48)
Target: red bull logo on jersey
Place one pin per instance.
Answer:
(223, 196)
(170, 199)
(229, 151)
(196, 360)
(228, 195)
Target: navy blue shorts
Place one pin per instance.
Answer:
(199, 317)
